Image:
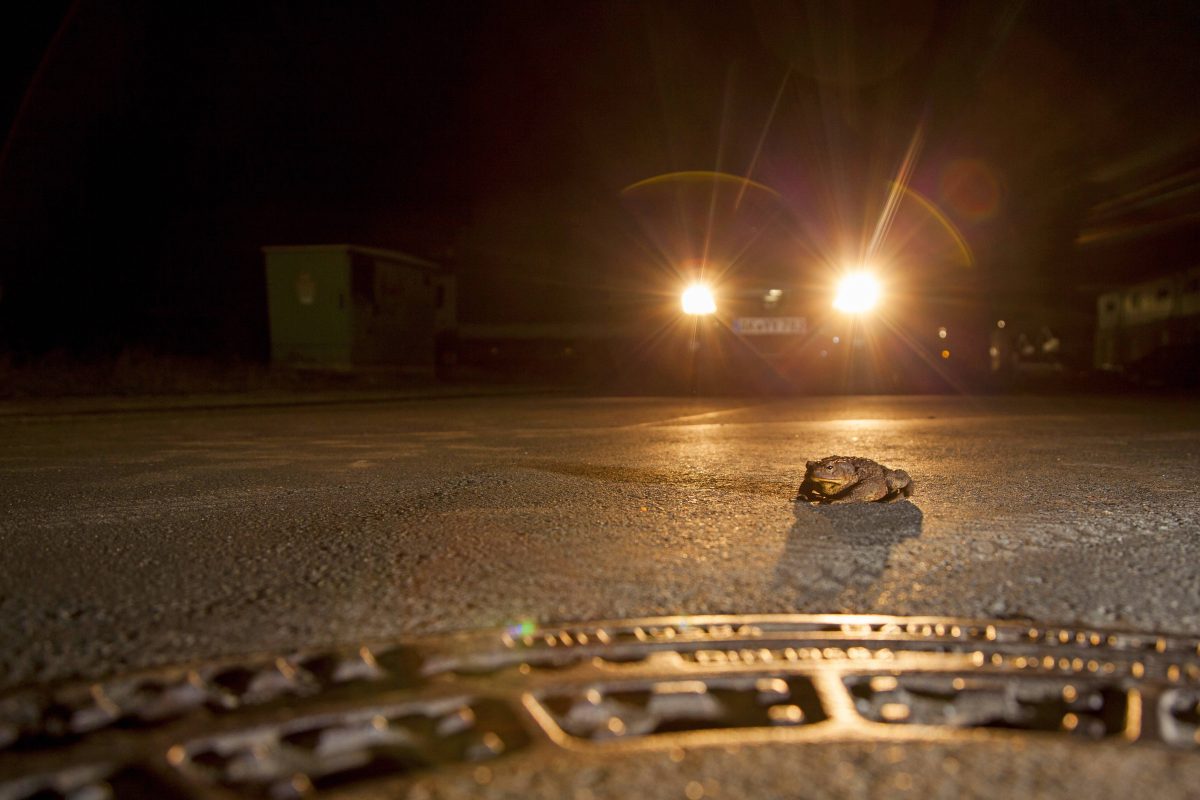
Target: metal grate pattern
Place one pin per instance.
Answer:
(312, 722)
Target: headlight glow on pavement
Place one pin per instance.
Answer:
(698, 299)
(857, 292)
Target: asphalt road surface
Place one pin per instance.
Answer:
(138, 538)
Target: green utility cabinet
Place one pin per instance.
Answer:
(341, 306)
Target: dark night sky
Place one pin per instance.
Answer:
(161, 144)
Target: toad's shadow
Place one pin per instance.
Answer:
(834, 554)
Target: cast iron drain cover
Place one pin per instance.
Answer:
(383, 714)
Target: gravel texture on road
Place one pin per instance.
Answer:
(147, 537)
(833, 771)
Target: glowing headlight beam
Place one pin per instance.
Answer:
(698, 299)
(856, 293)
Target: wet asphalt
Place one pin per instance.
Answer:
(154, 536)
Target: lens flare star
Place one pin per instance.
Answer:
(857, 293)
(698, 299)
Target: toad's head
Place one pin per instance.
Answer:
(832, 474)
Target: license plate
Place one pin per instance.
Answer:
(768, 326)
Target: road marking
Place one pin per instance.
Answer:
(692, 418)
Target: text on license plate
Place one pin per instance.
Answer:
(765, 326)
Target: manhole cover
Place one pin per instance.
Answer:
(384, 714)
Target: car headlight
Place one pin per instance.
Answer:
(698, 299)
(857, 292)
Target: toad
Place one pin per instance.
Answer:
(850, 479)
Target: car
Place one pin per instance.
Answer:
(847, 333)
